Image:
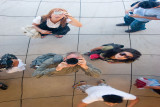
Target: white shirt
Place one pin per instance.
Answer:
(50, 24)
(20, 67)
(153, 12)
(95, 93)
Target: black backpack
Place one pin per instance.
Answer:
(115, 46)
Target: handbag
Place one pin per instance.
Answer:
(31, 32)
(142, 82)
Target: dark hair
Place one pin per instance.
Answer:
(148, 4)
(6, 61)
(112, 98)
(7, 64)
(112, 52)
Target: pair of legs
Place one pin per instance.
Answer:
(83, 86)
(59, 32)
(134, 24)
(3, 86)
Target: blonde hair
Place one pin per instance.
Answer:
(63, 20)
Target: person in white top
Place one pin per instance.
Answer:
(55, 22)
(103, 92)
(11, 63)
(140, 14)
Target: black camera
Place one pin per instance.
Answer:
(72, 61)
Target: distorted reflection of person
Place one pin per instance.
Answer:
(56, 64)
(141, 13)
(105, 93)
(11, 64)
(55, 22)
(114, 53)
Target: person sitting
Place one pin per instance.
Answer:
(11, 63)
(72, 62)
(103, 92)
(114, 53)
(55, 22)
(140, 14)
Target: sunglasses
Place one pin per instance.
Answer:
(58, 12)
(125, 55)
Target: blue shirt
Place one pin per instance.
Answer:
(153, 12)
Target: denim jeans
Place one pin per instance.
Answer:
(134, 24)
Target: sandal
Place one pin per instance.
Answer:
(59, 36)
(3, 86)
(78, 84)
(101, 81)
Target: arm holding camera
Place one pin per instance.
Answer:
(137, 16)
(73, 21)
(89, 69)
(132, 8)
(61, 66)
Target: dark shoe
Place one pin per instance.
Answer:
(122, 24)
(130, 31)
(3, 86)
(87, 53)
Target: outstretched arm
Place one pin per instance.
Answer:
(133, 102)
(152, 87)
(74, 22)
(81, 104)
(97, 48)
(137, 16)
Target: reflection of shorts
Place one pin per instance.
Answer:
(83, 88)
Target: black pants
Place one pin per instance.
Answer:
(57, 31)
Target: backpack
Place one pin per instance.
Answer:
(31, 32)
(40, 59)
(115, 46)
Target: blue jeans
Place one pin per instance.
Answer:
(135, 24)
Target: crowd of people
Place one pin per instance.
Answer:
(56, 23)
